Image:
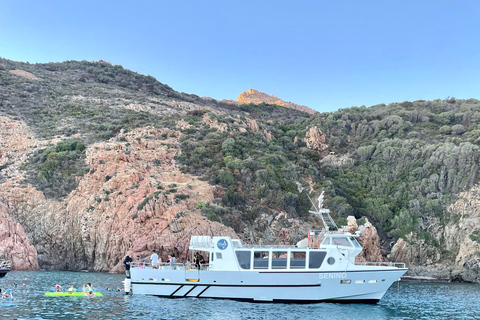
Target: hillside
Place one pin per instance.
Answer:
(97, 161)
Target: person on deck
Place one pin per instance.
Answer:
(154, 259)
(171, 259)
(127, 262)
(198, 260)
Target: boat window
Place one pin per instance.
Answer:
(331, 260)
(260, 260)
(355, 242)
(326, 241)
(243, 258)
(297, 259)
(211, 257)
(315, 259)
(279, 260)
(237, 243)
(218, 255)
(341, 242)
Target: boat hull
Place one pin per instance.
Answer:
(359, 286)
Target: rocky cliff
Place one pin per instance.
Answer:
(133, 199)
(15, 245)
(455, 253)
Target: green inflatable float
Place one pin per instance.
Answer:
(74, 294)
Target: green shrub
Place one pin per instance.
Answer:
(143, 203)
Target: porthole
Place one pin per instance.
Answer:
(331, 260)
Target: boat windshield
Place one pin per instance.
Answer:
(341, 241)
(355, 242)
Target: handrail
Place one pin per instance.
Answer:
(267, 246)
(382, 264)
(168, 266)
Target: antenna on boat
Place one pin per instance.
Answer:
(324, 214)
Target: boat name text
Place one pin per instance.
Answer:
(338, 275)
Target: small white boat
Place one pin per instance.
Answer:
(323, 270)
(5, 266)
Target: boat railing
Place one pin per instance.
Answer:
(382, 264)
(167, 266)
(265, 246)
(5, 264)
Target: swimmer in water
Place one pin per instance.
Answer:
(90, 294)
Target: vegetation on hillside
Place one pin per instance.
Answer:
(54, 169)
(411, 159)
(408, 162)
(399, 165)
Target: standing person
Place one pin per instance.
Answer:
(198, 260)
(173, 260)
(201, 260)
(154, 259)
(127, 262)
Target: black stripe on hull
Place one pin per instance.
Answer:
(362, 301)
(186, 294)
(181, 286)
(198, 295)
(233, 285)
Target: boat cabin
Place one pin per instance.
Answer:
(230, 254)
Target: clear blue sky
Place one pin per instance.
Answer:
(323, 54)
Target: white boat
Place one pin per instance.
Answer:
(5, 266)
(322, 270)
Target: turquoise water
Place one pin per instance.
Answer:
(407, 300)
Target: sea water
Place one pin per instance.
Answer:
(404, 300)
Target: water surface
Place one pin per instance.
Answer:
(405, 300)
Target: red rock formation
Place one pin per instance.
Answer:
(253, 125)
(257, 97)
(214, 123)
(124, 205)
(369, 240)
(315, 139)
(14, 244)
